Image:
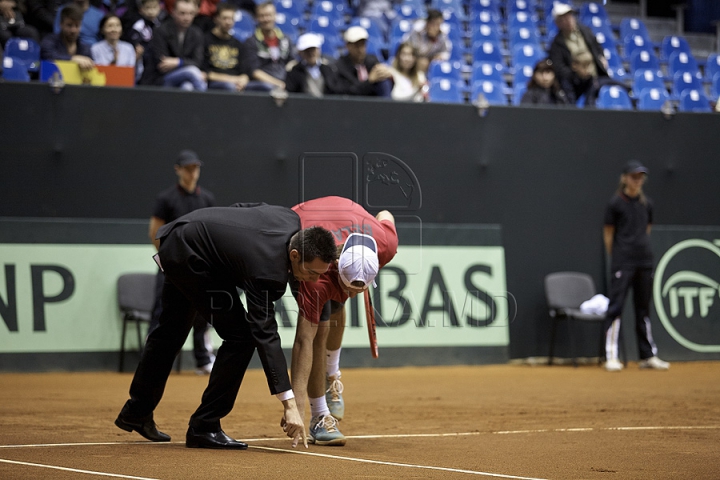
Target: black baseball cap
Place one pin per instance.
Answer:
(633, 166)
(188, 157)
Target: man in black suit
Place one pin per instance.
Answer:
(206, 255)
(177, 51)
(359, 73)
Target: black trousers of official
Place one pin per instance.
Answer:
(640, 280)
(183, 295)
(201, 349)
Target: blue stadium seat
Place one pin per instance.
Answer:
(612, 97)
(291, 8)
(399, 28)
(685, 81)
(443, 4)
(522, 75)
(373, 29)
(527, 55)
(652, 99)
(25, 51)
(244, 25)
(715, 87)
(645, 60)
(288, 28)
(592, 9)
(478, 6)
(694, 101)
(485, 17)
(331, 10)
(682, 62)
(635, 43)
(324, 25)
(492, 91)
(522, 20)
(712, 66)
(483, 71)
(673, 43)
(445, 91)
(486, 33)
(14, 70)
(409, 12)
(487, 52)
(449, 70)
(513, 6)
(615, 69)
(524, 36)
(518, 92)
(454, 18)
(373, 48)
(646, 80)
(599, 24)
(606, 40)
(631, 27)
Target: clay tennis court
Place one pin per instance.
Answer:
(503, 421)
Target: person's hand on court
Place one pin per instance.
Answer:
(292, 423)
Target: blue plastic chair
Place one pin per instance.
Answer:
(645, 60)
(486, 33)
(524, 36)
(409, 12)
(513, 6)
(712, 66)
(373, 29)
(606, 40)
(485, 17)
(450, 70)
(527, 55)
(522, 75)
(685, 81)
(630, 27)
(646, 80)
(612, 97)
(518, 92)
(592, 9)
(487, 52)
(325, 26)
(14, 70)
(334, 11)
(483, 71)
(694, 101)
(478, 6)
(615, 68)
(634, 44)
(287, 27)
(715, 87)
(652, 99)
(445, 91)
(25, 51)
(673, 43)
(293, 11)
(492, 91)
(598, 24)
(522, 20)
(244, 26)
(399, 28)
(682, 62)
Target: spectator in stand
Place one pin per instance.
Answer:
(66, 45)
(112, 50)
(577, 57)
(360, 73)
(177, 51)
(90, 26)
(429, 41)
(41, 15)
(543, 88)
(225, 54)
(12, 22)
(409, 83)
(205, 15)
(138, 27)
(312, 74)
(269, 51)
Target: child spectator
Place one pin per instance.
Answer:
(112, 50)
(311, 75)
(177, 51)
(138, 30)
(66, 45)
(269, 51)
(429, 41)
(409, 83)
(90, 26)
(12, 22)
(543, 88)
(225, 54)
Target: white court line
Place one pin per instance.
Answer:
(393, 464)
(75, 470)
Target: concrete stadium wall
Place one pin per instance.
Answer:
(543, 175)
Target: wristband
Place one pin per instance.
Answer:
(286, 395)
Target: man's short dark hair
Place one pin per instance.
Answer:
(71, 12)
(268, 3)
(433, 15)
(142, 3)
(315, 242)
(225, 7)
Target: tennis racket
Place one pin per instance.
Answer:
(370, 317)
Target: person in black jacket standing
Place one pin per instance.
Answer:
(177, 51)
(206, 255)
(574, 47)
(626, 234)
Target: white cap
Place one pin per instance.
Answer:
(359, 261)
(309, 40)
(355, 34)
(560, 9)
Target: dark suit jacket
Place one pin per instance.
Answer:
(296, 80)
(239, 246)
(165, 44)
(562, 59)
(348, 83)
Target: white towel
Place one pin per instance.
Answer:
(597, 305)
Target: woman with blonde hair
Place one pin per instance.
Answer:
(409, 83)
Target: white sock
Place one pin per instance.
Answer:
(318, 407)
(333, 362)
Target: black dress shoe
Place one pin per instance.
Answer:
(147, 429)
(218, 439)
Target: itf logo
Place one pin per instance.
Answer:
(687, 294)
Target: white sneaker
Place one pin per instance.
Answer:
(333, 396)
(655, 363)
(324, 431)
(613, 365)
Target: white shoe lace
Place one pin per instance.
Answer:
(329, 423)
(335, 389)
